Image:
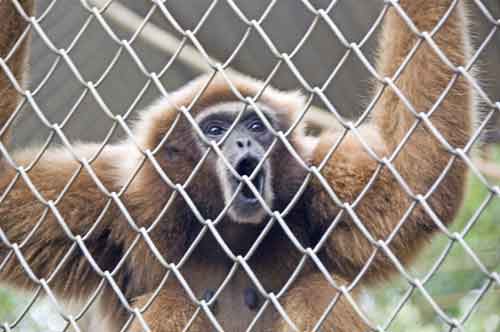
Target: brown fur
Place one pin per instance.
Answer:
(420, 162)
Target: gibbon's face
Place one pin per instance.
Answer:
(244, 140)
(244, 148)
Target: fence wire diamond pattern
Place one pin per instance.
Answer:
(173, 269)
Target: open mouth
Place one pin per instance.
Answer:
(245, 167)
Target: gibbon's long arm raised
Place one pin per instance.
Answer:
(420, 159)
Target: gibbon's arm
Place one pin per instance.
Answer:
(45, 235)
(22, 214)
(421, 160)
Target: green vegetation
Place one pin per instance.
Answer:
(457, 283)
(7, 304)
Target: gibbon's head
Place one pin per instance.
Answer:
(244, 141)
(243, 134)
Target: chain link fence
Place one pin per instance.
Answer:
(188, 49)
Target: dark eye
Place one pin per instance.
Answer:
(256, 126)
(214, 130)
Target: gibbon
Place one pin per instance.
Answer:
(375, 192)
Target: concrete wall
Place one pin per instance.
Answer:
(287, 22)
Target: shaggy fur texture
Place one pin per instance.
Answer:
(420, 162)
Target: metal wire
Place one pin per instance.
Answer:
(255, 25)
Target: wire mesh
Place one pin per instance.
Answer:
(274, 218)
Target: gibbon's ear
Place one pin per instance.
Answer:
(12, 27)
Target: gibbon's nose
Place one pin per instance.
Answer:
(244, 143)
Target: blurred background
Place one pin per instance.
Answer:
(125, 89)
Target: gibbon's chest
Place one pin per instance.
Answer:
(210, 271)
(238, 301)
